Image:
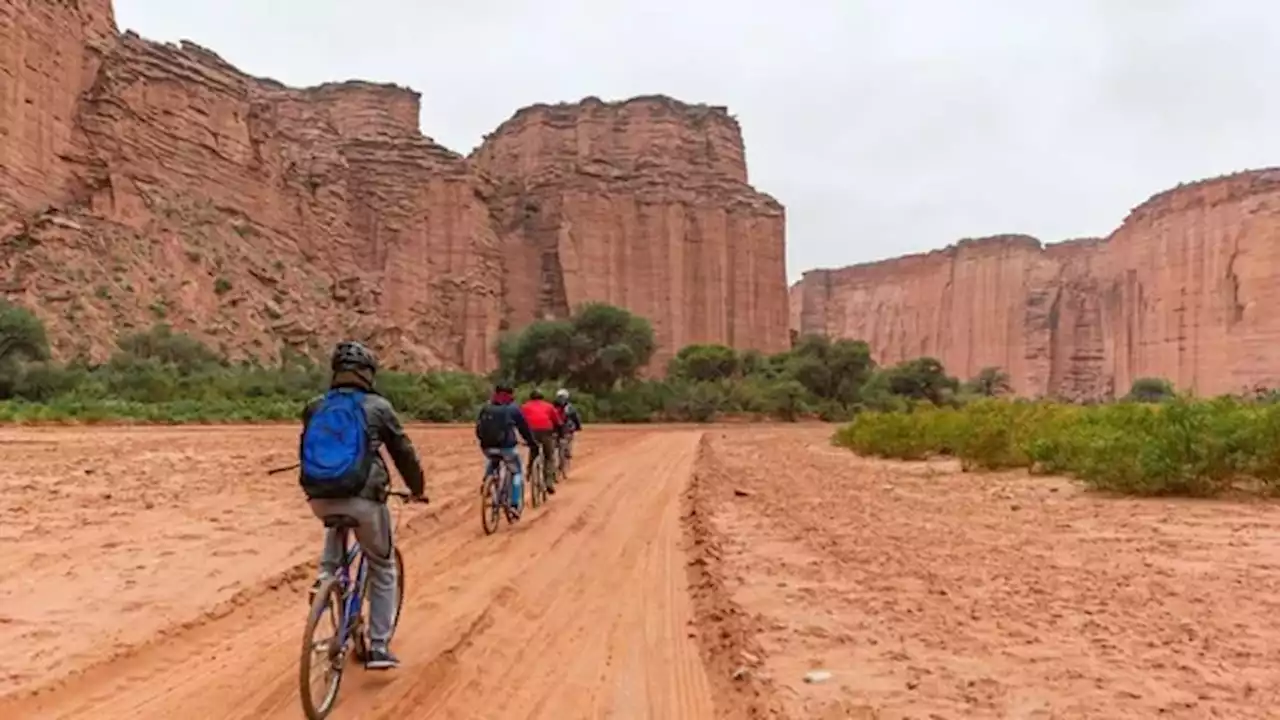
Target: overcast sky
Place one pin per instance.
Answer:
(884, 126)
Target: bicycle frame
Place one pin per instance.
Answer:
(503, 478)
(353, 594)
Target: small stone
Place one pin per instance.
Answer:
(817, 676)
(749, 658)
(741, 673)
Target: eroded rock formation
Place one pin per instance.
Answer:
(1184, 290)
(145, 181)
(643, 204)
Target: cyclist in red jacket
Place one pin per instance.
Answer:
(544, 420)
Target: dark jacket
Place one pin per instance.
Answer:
(572, 420)
(384, 429)
(514, 420)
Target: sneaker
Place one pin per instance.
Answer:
(380, 658)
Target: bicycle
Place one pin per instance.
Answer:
(343, 600)
(495, 496)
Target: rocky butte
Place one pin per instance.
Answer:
(1185, 289)
(144, 182)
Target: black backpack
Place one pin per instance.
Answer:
(491, 428)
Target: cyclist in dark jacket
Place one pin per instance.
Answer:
(497, 427)
(354, 366)
(569, 418)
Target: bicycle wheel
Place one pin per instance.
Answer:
(326, 612)
(562, 466)
(490, 505)
(399, 591)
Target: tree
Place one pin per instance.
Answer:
(831, 370)
(923, 378)
(609, 344)
(166, 347)
(990, 382)
(704, 363)
(1150, 390)
(598, 347)
(22, 335)
(22, 341)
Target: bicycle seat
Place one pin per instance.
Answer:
(340, 521)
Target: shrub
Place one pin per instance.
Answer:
(1182, 447)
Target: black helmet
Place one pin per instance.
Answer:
(351, 355)
(503, 387)
(535, 394)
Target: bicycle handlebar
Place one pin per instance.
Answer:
(406, 496)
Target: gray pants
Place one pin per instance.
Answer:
(374, 535)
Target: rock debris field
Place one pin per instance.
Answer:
(682, 572)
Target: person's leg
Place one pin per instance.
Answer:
(332, 551)
(517, 478)
(375, 536)
(537, 436)
(547, 443)
(491, 459)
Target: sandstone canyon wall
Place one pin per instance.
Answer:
(143, 182)
(1184, 289)
(643, 204)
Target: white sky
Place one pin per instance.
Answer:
(884, 126)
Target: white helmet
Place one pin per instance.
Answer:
(562, 395)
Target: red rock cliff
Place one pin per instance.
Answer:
(156, 182)
(643, 204)
(1181, 290)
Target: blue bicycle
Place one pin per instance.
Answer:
(338, 605)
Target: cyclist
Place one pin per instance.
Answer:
(570, 420)
(358, 489)
(544, 421)
(496, 429)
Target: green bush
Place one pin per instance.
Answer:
(1182, 446)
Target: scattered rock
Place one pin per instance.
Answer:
(814, 677)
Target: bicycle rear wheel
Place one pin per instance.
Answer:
(537, 487)
(490, 505)
(326, 655)
(562, 464)
(399, 591)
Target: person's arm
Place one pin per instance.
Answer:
(522, 427)
(575, 419)
(401, 449)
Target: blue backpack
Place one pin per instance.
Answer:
(334, 449)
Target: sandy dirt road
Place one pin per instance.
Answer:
(684, 572)
(579, 610)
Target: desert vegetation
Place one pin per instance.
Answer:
(1146, 444)
(1150, 442)
(165, 376)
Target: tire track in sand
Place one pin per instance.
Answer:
(581, 610)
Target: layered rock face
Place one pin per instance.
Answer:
(156, 182)
(1182, 290)
(643, 204)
